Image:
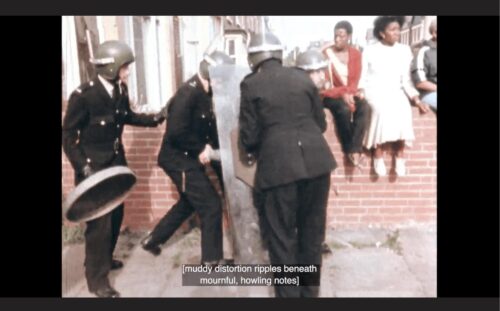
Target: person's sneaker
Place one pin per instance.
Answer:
(379, 167)
(400, 168)
(116, 264)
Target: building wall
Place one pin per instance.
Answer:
(361, 199)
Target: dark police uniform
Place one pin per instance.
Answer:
(281, 122)
(92, 131)
(190, 126)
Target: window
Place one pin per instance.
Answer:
(189, 45)
(87, 38)
(149, 74)
(70, 63)
(230, 48)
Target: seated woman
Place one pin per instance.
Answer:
(386, 85)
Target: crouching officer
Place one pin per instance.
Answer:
(314, 63)
(92, 140)
(281, 122)
(189, 143)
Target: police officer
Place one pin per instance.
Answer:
(281, 123)
(189, 143)
(92, 131)
(314, 63)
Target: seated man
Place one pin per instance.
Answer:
(424, 69)
(349, 111)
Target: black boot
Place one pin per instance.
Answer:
(106, 292)
(214, 263)
(147, 245)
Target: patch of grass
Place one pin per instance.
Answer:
(176, 261)
(192, 239)
(336, 245)
(393, 243)
(360, 245)
(73, 234)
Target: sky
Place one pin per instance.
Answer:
(301, 30)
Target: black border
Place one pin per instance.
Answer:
(254, 7)
(467, 164)
(31, 216)
(468, 157)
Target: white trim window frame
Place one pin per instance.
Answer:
(150, 32)
(71, 69)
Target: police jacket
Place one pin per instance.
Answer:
(281, 122)
(190, 126)
(93, 126)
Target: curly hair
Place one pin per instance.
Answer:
(344, 25)
(381, 23)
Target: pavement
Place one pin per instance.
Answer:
(366, 262)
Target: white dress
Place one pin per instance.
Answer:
(387, 83)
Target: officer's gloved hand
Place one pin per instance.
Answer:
(214, 154)
(161, 116)
(87, 171)
(204, 155)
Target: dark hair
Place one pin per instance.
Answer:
(344, 25)
(381, 23)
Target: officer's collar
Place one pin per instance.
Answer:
(269, 63)
(204, 84)
(107, 85)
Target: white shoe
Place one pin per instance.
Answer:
(379, 167)
(400, 167)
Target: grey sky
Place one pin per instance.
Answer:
(301, 30)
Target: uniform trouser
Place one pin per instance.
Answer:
(196, 194)
(295, 216)
(351, 134)
(101, 236)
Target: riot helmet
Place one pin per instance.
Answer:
(263, 47)
(311, 60)
(110, 57)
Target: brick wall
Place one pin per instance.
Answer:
(360, 198)
(363, 199)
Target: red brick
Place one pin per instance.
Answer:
(347, 202)
(424, 211)
(347, 218)
(373, 203)
(422, 171)
(350, 210)
(390, 210)
(371, 219)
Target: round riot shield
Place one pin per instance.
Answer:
(99, 194)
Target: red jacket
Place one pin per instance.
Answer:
(354, 74)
